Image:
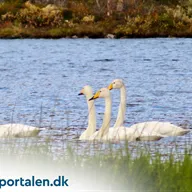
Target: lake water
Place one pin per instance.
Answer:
(40, 81)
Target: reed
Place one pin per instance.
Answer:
(109, 167)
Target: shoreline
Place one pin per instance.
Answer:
(46, 34)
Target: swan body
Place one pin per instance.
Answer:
(163, 128)
(117, 133)
(126, 134)
(153, 127)
(18, 130)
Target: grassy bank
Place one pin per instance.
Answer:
(22, 19)
(115, 170)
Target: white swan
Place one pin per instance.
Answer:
(114, 134)
(118, 133)
(163, 128)
(87, 91)
(18, 130)
(91, 129)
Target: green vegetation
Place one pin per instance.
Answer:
(153, 18)
(110, 168)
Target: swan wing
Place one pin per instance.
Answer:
(162, 128)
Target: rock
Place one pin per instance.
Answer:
(74, 37)
(110, 36)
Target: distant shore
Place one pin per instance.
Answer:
(74, 33)
(9, 33)
(26, 20)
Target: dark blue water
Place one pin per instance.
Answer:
(40, 80)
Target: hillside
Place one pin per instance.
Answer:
(95, 18)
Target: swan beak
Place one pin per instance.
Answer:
(81, 92)
(95, 96)
(110, 86)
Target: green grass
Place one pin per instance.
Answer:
(116, 169)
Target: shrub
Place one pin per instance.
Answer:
(11, 6)
(8, 17)
(78, 9)
(88, 19)
(67, 14)
(36, 17)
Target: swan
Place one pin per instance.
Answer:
(118, 133)
(87, 91)
(18, 130)
(162, 128)
(91, 129)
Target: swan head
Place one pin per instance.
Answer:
(102, 93)
(87, 91)
(116, 84)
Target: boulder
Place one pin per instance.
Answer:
(110, 36)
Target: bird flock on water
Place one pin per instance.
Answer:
(145, 131)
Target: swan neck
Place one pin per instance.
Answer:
(107, 117)
(122, 108)
(92, 118)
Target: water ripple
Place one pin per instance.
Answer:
(40, 80)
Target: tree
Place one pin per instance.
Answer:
(120, 5)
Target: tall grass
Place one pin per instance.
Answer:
(108, 167)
